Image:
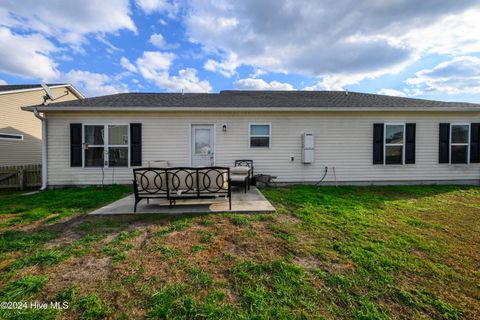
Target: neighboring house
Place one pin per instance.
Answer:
(20, 132)
(361, 138)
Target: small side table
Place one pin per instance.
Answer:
(265, 179)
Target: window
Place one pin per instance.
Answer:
(459, 142)
(118, 146)
(394, 143)
(8, 136)
(202, 141)
(260, 136)
(106, 145)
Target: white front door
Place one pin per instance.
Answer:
(203, 145)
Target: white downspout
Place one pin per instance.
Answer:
(44, 149)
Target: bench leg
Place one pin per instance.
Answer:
(135, 207)
(230, 203)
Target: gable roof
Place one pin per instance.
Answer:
(255, 100)
(14, 88)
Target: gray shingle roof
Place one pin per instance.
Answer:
(258, 99)
(12, 87)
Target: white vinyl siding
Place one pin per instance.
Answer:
(342, 140)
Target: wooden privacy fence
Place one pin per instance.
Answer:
(21, 177)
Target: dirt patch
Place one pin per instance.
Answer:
(85, 272)
(65, 239)
(288, 219)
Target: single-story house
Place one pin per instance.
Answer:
(361, 138)
(21, 132)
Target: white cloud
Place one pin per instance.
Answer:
(150, 6)
(186, 80)
(157, 40)
(155, 66)
(392, 92)
(126, 64)
(335, 82)
(257, 73)
(40, 24)
(458, 75)
(3, 82)
(26, 55)
(93, 84)
(226, 67)
(260, 84)
(68, 22)
(159, 6)
(453, 34)
(342, 43)
(154, 62)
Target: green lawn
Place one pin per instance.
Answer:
(363, 253)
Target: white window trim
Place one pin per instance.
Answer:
(467, 144)
(393, 144)
(11, 135)
(260, 135)
(105, 145)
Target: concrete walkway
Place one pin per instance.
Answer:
(252, 201)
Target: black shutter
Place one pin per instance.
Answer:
(75, 144)
(135, 144)
(475, 143)
(378, 143)
(444, 143)
(410, 133)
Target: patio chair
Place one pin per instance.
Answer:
(241, 174)
(245, 163)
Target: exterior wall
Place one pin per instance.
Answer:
(13, 120)
(342, 140)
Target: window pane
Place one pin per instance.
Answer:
(11, 136)
(94, 135)
(259, 142)
(459, 154)
(259, 130)
(118, 156)
(393, 155)
(118, 135)
(394, 134)
(94, 157)
(202, 141)
(459, 134)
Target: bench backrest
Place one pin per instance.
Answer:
(245, 163)
(183, 180)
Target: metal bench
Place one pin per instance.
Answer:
(181, 183)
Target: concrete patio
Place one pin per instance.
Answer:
(252, 201)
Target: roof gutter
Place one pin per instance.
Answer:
(44, 149)
(68, 85)
(254, 109)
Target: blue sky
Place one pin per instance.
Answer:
(428, 49)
